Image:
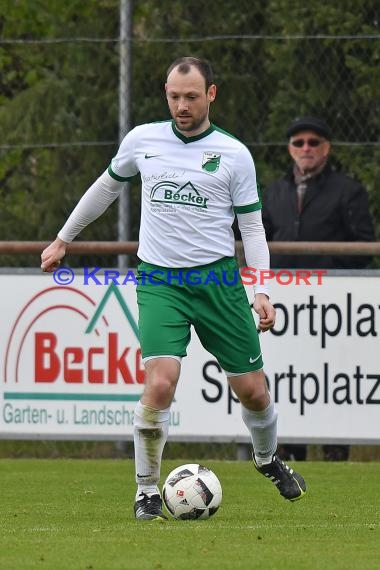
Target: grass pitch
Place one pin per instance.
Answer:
(77, 515)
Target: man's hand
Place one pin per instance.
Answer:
(52, 255)
(265, 310)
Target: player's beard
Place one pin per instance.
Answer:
(191, 125)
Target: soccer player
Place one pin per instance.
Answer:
(195, 177)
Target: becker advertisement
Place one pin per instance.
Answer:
(71, 363)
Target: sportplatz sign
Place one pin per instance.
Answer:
(71, 364)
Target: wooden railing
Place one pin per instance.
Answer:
(128, 247)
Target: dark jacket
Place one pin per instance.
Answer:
(335, 208)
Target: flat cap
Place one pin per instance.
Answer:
(314, 124)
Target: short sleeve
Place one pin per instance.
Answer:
(244, 189)
(123, 166)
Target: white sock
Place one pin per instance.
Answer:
(150, 435)
(263, 429)
(147, 490)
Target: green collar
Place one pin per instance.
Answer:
(187, 140)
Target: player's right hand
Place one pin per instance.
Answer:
(52, 255)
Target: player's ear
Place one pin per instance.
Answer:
(212, 93)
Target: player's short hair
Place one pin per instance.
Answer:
(184, 65)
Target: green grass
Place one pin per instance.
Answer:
(77, 515)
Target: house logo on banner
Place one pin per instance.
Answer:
(72, 362)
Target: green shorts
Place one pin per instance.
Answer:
(210, 297)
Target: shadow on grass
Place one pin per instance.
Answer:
(51, 449)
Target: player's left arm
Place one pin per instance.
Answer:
(247, 207)
(257, 257)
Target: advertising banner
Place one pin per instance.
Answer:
(71, 363)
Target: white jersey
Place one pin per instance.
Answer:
(191, 189)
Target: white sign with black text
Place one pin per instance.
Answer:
(71, 363)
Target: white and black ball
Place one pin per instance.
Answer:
(192, 491)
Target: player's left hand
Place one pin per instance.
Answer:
(265, 310)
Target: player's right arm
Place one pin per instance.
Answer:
(93, 203)
(96, 200)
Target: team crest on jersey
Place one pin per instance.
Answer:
(211, 161)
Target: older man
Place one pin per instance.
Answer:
(313, 202)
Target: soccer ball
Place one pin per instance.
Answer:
(192, 492)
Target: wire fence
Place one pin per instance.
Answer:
(350, 126)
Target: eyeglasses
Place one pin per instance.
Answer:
(299, 143)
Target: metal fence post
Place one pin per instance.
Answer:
(125, 75)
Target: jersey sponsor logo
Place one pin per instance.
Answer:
(152, 155)
(168, 192)
(211, 161)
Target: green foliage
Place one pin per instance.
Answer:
(54, 93)
(66, 93)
